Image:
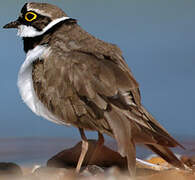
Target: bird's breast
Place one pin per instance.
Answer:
(26, 87)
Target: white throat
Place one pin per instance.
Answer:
(30, 31)
(25, 83)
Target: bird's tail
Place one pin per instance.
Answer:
(128, 128)
(152, 122)
(166, 154)
(121, 129)
(163, 140)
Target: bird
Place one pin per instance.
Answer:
(72, 78)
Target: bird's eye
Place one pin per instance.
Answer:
(30, 16)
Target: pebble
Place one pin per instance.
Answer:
(9, 170)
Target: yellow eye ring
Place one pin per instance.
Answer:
(30, 16)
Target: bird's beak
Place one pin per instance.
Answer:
(13, 24)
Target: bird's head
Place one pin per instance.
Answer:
(35, 19)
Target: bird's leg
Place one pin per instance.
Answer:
(84, 149)
(99, 143)
(100, 139)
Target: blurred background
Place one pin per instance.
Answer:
(157, 38)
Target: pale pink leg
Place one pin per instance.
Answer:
(84, 149)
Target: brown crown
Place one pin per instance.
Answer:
(45, 9)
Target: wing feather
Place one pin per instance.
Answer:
(101, 94)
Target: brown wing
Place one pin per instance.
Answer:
(108, 86)
(98, 94)
(89, 86)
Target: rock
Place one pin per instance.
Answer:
(158, 161)
(104, 157)
(92, 170)
(10, 170)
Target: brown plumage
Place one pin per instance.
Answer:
(86, 82)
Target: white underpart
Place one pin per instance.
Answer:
(25, 84)
(30, 31)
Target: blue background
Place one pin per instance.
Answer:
(157, 38)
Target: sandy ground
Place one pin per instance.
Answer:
(107, 164)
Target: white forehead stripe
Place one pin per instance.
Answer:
(30, 31)
(39, 12)
(29, 8)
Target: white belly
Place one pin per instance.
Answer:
(25, 84)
